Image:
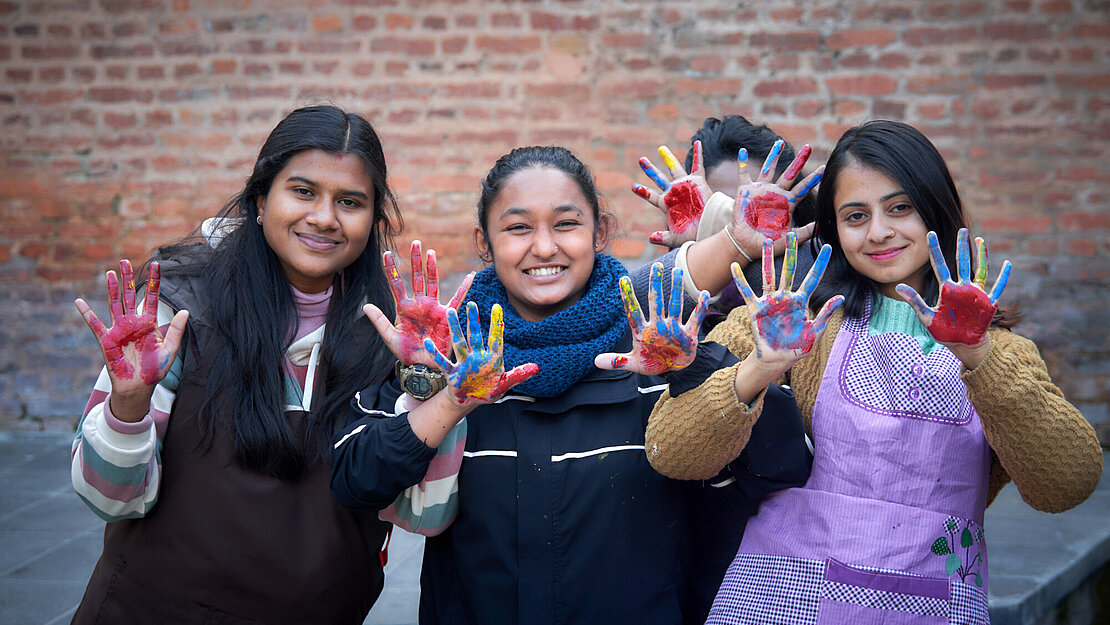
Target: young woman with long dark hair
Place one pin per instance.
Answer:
(558, 516)
(210, 462)
(919, 415)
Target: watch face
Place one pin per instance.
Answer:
(418, 386)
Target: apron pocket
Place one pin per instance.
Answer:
(862, 597)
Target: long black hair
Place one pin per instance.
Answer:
(253, 311)
(907, 157)
(721, 139)
(555, 157)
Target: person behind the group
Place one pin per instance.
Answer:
(918, 415)
(560, 518)
(210, 463)
(727, 148)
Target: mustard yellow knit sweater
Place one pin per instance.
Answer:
(1037, 438)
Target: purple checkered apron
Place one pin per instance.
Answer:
(889, 527)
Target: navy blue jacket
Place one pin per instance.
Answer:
(561, 518)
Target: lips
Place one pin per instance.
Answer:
(885, 254)
(316, 241)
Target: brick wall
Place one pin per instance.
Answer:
(124, 122)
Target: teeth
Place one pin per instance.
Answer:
(544, 271)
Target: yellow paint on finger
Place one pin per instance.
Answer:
(668, 158)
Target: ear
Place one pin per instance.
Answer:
(606, 228)
(260, 204)
(480, 246)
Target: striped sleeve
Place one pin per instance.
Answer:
(116, 466)
(429, 507)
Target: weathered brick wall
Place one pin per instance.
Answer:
(124, 122)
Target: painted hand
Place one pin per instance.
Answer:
(663, 343)
(682, 199)
(964, 310)
(478, 375)
(764, 207)
(136, 354)
(418, 317)
(784, 334)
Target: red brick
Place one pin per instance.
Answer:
(1017, 31)
(39, 53)
(1083, 81)
(932, 36)
(1084, 221)
(513, 45)
(785, 87)
(472, 90)
(417, 46)
(395, 21)
(871, 38)
(364, 22)
(874, 84)
(1091, 31)
(1010, 81)
(1031, 225)
(797, 40)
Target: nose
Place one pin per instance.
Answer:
(322, 215)
(879, 230)
(544, 244)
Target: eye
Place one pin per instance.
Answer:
(855, 217)
(303, 191)
(349, 203)
(567, 224)
(517, 228)
(901, 208)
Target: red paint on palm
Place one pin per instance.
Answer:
(419, 318)
(684, 206)
(769, 214)
(666, 351)
(140, 335)
(963, 316)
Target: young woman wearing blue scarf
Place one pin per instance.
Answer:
(554, 514)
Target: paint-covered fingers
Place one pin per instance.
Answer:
(416, 266)
(460, 293)
(745, 289)
(1000, 282)
(649, 169)
(655, 294)
(826, 311)
(806, 185)
(767, 174)
(769, 267)
(94, 322)
(668, 238)
(789, 261)
(458, 339)
(433, 276)
(612, 361)
(693, 324)
(127, 276)
(936, 257)
(674, 305)
(676, 168)
(696, 164)
(440, 360)
(654, 197)
(632, 310)
(496, 330)
(813, 278)
(115, 303)
(153, 285)
(474, 325)
(981, 264)
(963, 256)
(924, 313)
(789, 177)
(393, 276)
(516, 376)
(745, 176)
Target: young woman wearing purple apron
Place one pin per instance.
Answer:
(918, 414)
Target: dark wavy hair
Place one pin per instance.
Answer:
(721, 139)
(902, 153)
(523, 158)
(253, 311)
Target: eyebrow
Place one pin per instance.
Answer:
(887, 197)
(350, 192)
(516, 210)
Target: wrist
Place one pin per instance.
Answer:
(972, 355)
(741, 257)
(753, 375)
(128, 408)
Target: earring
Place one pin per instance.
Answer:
(259, 220)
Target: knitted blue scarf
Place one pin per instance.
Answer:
(564, 344)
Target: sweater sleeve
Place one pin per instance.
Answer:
(1040, 440)
(116, 466)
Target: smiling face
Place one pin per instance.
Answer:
(317, 216)
(542, 237)
(881, 233)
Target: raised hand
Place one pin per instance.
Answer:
(662, 343)
(682, 198)
(136, 354)
(418, 317)
(784, 333)
(964, 309)
(478, 374)
(765, 205)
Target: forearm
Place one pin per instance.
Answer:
(1044, 444)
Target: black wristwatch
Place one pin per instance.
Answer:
(420, 381)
